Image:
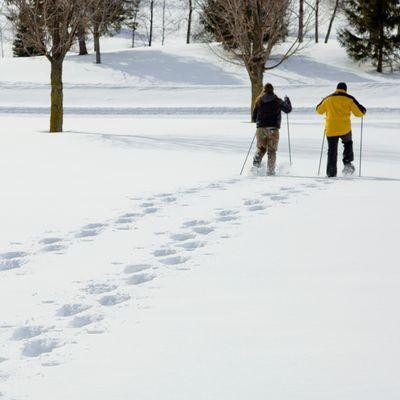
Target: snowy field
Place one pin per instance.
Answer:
(135, 262)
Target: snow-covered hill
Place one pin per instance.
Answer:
(135, 262)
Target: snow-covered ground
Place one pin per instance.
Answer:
(135, 262)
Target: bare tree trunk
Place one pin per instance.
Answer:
(316, 20)
(189, 27)
(380, 50)
(163, 24)
(96, 39)
(301, 21)
(82, 41)
(256, 79)
(151, 22)
(331, 21)
(133, 37)
(56, 115)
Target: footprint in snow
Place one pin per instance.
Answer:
(95, 226)
(191, 190)
(278, 197)
(90, 230)
(254, 205)
(12, 260)
(100, 288)
(164, 252)
(37, 347)
(150, 210)
(12, 254)
(53, 248)
(227, 215)
(27, 332)
(67, 310)
(128, 218)
(252, 202)
(195, 222)
(112, 300)
(169, 199)
(203, 230)
(84, 320)
(147, 204)
(257, 207)
(176, 260)
(192, 245)
(138, 279)
(181, 237)
(50, 240)
(133, 268)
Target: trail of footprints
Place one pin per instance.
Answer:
(176, 251)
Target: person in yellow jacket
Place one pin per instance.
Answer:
(338, 108)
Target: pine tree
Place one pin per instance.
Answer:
(372, 33)
(19, 50)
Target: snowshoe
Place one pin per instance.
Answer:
(349, 169)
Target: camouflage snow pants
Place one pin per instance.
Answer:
(267, 142)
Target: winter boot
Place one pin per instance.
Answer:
(349, 169)
(257, 161)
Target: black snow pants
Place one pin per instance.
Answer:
(348, 154)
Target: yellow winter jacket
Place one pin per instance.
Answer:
(338, 108)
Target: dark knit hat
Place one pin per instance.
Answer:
(268, 88)
(342, 85)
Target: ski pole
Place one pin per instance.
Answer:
(245, 161)
(322, 150)
(361, 143)
(288, 132)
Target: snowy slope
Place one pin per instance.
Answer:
(135, 262)
(131, 80)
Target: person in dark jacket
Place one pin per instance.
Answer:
(267, 114)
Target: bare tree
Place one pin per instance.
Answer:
(132, 18)
(151, 22)
(163, 22)
(82, 40)
(249, 30)
(335, 10)
(316, 9)
(189, 23)
(103, 16)
(52, 27)
(300, 35)
(169, 21)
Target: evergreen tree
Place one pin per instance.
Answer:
(373, 31)
(19, 49)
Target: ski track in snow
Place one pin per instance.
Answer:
(178, 247)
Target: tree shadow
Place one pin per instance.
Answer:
(160, 67)
(309, 68)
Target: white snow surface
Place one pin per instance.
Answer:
(135, 262)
